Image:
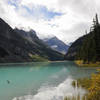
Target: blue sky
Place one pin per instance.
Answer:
(13, 2)
(41, 10)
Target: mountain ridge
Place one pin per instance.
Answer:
(17, 48)
(56, 44)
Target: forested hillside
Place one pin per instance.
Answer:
(87, 48)
(21, 46)
(90, 49)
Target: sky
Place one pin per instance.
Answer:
(65, 19)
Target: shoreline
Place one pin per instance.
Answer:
(22, 63)
(80, 64)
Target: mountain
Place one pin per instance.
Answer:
(29, 35)
(57, 44)
(69, 44)
(21, 46)
(90, 50)
(73, 49)
(87, 48)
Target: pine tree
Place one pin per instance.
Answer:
(90, 50)
(97, 37)
(97, 22)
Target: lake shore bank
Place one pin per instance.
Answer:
(81, 64)
(25, 63)
(91, 84)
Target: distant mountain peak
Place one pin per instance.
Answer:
(56, 44)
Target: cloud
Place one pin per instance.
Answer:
(66, 19)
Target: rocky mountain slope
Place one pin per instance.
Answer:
(57, 44)
(20, 46)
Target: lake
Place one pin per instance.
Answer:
(40, 81)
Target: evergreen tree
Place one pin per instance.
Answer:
(90, 49)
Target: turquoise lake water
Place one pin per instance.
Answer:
(39, 81)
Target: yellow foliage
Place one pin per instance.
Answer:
(93, 86)
(94, 90)
(91, 64)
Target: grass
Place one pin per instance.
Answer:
(74, 98)
(92, 84)
(91, 64)
(37, 58)
(84, 82)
